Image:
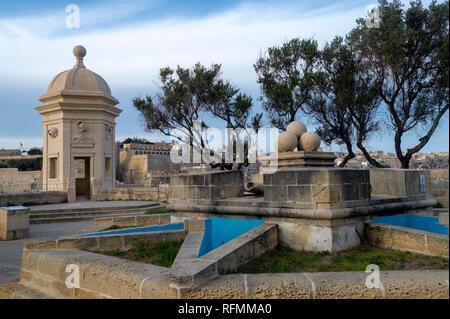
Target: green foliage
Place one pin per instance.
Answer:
(345, 98)
(186, 96)
(116, 252)
(286, 75)
(159, 253)
(115, 227)
(34, 151)
(283, 259)
(34, 164)
(408, 54)
(158, 210)
(438, 205)
(135, 139)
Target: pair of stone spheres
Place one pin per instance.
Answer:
(297, 136)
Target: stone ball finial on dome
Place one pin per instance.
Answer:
(79, 52)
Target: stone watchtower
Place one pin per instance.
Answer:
(79, 114)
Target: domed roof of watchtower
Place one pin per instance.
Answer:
(78, 81)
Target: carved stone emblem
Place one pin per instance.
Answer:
(82, 137)
(53, 132)
(108, 130)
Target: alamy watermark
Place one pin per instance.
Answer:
(73, 280)
(73, 19)
(208, 145)
(373, 16)
(373, 280)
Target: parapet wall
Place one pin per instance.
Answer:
(33, 198)
(406, 239)
(157, 194)
(399, 182)
(22, 181)
(208, 185)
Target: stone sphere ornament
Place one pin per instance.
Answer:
(297, 128)
(286, 142)
(310, 141)
(79, 51)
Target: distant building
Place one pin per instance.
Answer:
(4, 152)
(145, 163)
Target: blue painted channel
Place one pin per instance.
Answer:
(219, 231)
(177, 226)
(425, 223)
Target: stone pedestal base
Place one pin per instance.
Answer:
(298, 160)
(208, 185)
(14, 222)
(317, 185)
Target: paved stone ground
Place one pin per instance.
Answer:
(11, 251)
(89, 204)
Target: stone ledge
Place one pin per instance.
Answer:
(100, 276)
(406, 239)
(188, 271)
(404, 284)
(366, 208)
(101, 243)
(134, 220)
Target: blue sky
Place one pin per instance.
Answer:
(128, 41)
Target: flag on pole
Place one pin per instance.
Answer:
(21, 145)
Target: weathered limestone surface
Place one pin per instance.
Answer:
(298, 159)
(146, 219)
(158, 194)
(14, 222)
(399, 182)
(331, 285)
(406, 239)
(208, 185)
(100, 276)
(78, 119)
(320, 185)
(49, 197)
(103, 243)
(44, 275)
(443, 219)
(188, 271)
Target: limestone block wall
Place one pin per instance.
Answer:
(137, 220)
(33, 198)
(133, 168)
(317, 185)
(157, 194)
(399, 182)
(207, 185)
(440, 185)
(22, 181)
(406, 239)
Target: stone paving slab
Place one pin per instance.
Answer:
(11, 251)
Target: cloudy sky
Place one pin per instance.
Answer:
(128, 41)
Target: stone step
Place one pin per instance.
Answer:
(35, 211)
(96, 212)
(82, 216)
(16, 290)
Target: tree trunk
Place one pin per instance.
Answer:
(349, 156)
(366, 154)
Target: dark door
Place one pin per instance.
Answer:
(83, 181)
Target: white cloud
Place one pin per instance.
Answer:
(131, 55)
